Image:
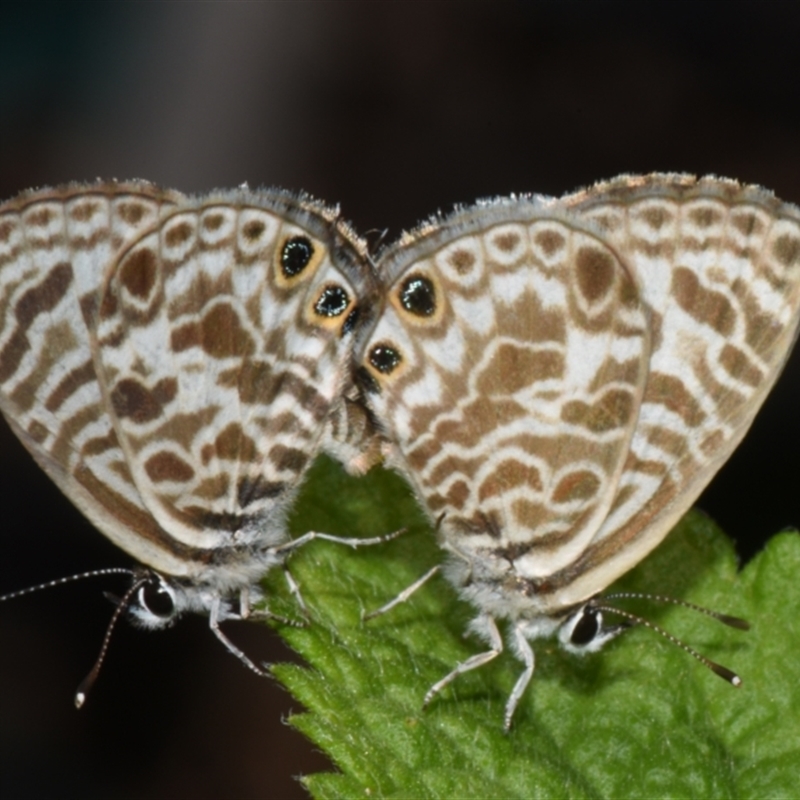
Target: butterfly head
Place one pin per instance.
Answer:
(157, 603)
(584, 631)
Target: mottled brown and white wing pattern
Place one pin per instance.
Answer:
(175, 364)
(56, 246)
(222, 347)
(719, 266)
(560, 378)
(509, 364)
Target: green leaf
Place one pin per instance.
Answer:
(641, 718)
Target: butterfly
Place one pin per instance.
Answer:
(175, 364)
(558, 380)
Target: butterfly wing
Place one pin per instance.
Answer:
(508, 366)
(224, 342)
(55, 247)
(719, 265)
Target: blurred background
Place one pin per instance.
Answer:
(394, 110)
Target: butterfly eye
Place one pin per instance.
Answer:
(157, 599)
(585, 628)
(296, 255)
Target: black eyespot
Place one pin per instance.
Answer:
(586, 627)
(296, 255)
(332, 302)
(155, 598)
(384, 358)
(417, 296)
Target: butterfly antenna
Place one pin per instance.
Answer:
(717, 669)
(725, 619)
(87, 683)
(69, 579)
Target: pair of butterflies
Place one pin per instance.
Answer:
(557, 379)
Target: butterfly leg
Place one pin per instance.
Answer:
(403, 596)
(213, 623)
(486, 625)
(328, 537)
(525, 653)
(246, 612)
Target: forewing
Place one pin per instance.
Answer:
(55, 247)
(719, 265)
(507, 366)
(222, 351)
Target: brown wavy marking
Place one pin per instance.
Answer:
(647, 467)
(131, 212)
(656, 217)
(138, 273)
(457, 495)
(70, 384)
(253, 230)
(550, 242)
(595, 270)
(7, 227)
(529, 321)
(666, 440)
(287, 459)
(515, 367)
(454, 465)
(507, 475)
(213, 222)
(668, 391)
(214, 487)
(178, 234)
(711, 443)
(83, 212)
(578, 485)
(613, 371)
(35, 301)
(613, 410)
(478, 419)
(705, 216)
(762, 330)
(233, 444)
(166, 466)
(726, 400)
(132, 400)
(462, 261)
(37, 431)
(738, 365)
(39, 218)
(704, 305)
(100, 444)
(622, 496)
(530, 514)
(219, 333)
(746, 222)
(58, 340)
(506, 242)
(786, 249)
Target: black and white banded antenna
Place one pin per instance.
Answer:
(726, 619)
(140, 580)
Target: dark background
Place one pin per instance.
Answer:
(394, 110)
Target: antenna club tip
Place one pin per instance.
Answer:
(736, 681)
(80, 699)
